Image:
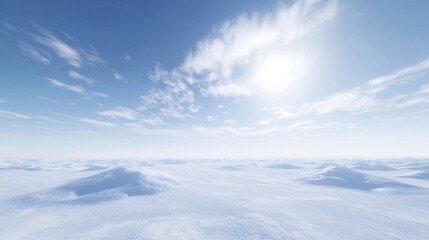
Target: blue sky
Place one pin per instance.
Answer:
(213, 79)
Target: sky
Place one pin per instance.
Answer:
(214, 79)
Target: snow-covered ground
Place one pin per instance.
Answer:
(176, 199)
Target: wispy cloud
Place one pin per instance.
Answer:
(154, 120)
(9, 27)
(50, 100)
(368, 97)
(230, 131)
(45, 45)
(230, 121)
(34, 53)
(173, 97)
(118, 76)
(174, 113)
(78, 76)
(98, 123)
(239, 43)
(92, 56)
(266, 121)
(13, 115)
(211, 118)
(120, 112)
(63, 50)
(100, 94)
(233, 48)
(59, 84)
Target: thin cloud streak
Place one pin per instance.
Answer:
(13, 115)
(59, 84)
(120, 112)
(97, 123)
(78, 76)
(366, 97)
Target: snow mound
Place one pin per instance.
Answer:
(419, 175)
(282, 166)
(326, 164)
(26, 165)
(172, 161)
(112, 184)
(95, 168)
(234, 167)
(418, 166)
(340, 176)
(23, 167)
(372, 166)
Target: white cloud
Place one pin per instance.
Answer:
(75, 56)
(92, 56)
(230, 131)
(50, 100)
(280, 113)
(211, 118)
(9, 28)
(174, 113)
(266, 121)
(220, 106)
(127, 57)
(59, 84)
(78, 76)
(158, 74)
(98, 123)
(194, 108)
(118, 76)
(173, 97)
(239, 43)
(353, 100)
(100, 94)
(154, 120)
(414, 101)
(235, 47)
(120, 112)
(32, 52)
(63, 50)
(230, 121)
(46, 119)
(13, 115)
(400, 76)
(227, 89)
(368, 96)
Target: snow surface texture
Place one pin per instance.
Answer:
(206, 200)
(282, 166)
(419, 175)
(372, 166)
(113, 184)
(339, 176)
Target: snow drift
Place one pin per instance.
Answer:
(282, 166)
(234, 167)
(340, 176)
(112, 184)
(418, 175)
(372, 166)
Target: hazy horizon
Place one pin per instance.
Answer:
(214, 79)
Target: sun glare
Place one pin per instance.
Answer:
(275, 73)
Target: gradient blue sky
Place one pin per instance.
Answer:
(214, 79)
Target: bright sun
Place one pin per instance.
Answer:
(276, 72)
